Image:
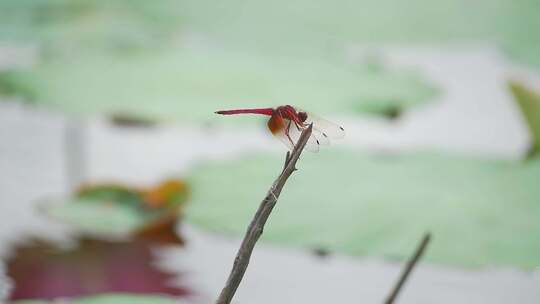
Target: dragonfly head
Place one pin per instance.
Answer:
(302, 116)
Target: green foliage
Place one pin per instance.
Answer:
(113, 299)
(185, 59)
(376, 205)
(11, 84)
(322, 28)
(112, 193)
(303, 27)
(190, 84)
(99, 217)
(65, 26)
(120, 210)
(529, 103)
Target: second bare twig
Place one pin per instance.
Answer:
(408, 268)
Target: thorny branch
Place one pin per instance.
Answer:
(256, 226)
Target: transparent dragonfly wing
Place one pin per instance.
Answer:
(321, 138)
(293, 135)
(312, 144)
(327, 128)
(284, 139)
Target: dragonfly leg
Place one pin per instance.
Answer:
(287, 132)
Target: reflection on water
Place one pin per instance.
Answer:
(44, 270)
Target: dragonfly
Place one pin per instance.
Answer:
(287, 123)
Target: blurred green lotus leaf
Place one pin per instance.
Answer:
(191, 83)
(480, 212)
(113, 299)
(118, 210)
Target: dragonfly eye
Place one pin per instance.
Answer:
(302, 116)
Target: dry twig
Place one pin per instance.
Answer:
(408, 268)
(256, 226)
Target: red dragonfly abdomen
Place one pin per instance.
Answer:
(261, 111)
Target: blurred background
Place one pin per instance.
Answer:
(119, 184)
